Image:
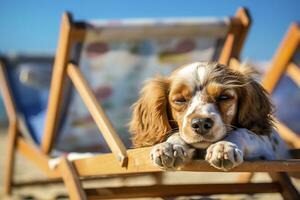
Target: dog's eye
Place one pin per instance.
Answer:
(180, 101)
(223, 97)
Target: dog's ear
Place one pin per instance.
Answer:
(255, 108)
(150, 123)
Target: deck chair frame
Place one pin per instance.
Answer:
(122, 161)
(72, 32)
(282, 63)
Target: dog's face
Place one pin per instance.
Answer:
(203, 101)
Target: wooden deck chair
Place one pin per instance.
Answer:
(122, 161)
(285, 61)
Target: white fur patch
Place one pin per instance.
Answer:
(189, 74)
(195, 103)
(201, 74)
(194, 73)
(189, 69)
(199, 107)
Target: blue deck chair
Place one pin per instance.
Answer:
(30, 98)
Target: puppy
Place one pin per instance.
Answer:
(206, 105)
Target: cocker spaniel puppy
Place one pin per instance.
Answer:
(206, 105)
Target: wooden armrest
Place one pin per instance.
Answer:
(139, 162)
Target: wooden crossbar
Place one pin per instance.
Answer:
(181, 190)
(139, 162)
(293, 72)
(35, 156)
(282, 58)
(287, 134)
(111, 137)
(239, 27)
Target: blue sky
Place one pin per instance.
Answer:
(32, 26)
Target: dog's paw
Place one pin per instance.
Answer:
(224, 155)
(170, 156)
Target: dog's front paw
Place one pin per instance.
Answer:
(224, 155)
(170, 156)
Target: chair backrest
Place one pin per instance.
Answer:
(116, 57)
(282, 80)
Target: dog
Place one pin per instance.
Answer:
(206, 105)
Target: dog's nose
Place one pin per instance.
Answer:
(202, 125)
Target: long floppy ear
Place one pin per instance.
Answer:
(255, 108)
(150, 124)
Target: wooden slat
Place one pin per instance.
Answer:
(57, 83)
(227, 48)
(288, 191)
(41, 183)
(237, 33)
(181, 190)
(139, 162)
(244, 15)
(49, 181)
(156, 32)
(111, 137)
(12, 129)
(71, 180)
(37, 157)
(282, 57)
(10, 157)
(293, 72)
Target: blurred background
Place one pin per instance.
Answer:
(29, 33)
(32, 27)
(38, 21)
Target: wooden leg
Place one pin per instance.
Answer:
(9, 167)
(245, 177)
(288, 191)
(71, 180)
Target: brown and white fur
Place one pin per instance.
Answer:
(206, 105)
